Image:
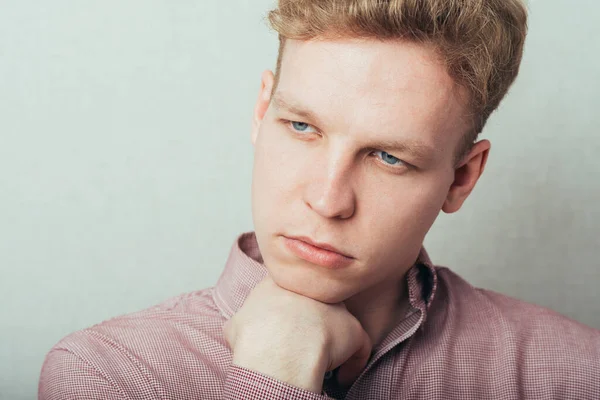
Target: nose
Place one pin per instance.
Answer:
(330, 193)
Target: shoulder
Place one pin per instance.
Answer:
(537, 348)
(183, 315)
(506, 312)
(151, 347)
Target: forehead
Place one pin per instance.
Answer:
(376, 87)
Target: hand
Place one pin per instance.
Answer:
(296, 339)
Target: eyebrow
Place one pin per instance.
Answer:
(286, 105)
(415, 149)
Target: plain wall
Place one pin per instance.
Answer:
(125, 164)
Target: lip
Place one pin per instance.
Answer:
(321, 254)
(323, 246)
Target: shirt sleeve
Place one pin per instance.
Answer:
(66, 376)
(245, 384)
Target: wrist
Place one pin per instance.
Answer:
(299, 368)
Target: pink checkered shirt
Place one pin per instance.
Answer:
(457, 342)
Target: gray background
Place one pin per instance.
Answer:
(125, 164)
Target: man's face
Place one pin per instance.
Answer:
(355, 149)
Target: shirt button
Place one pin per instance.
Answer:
(328, 375)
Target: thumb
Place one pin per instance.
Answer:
(350, 370)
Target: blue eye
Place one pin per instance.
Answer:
(389, 159)
(300, 126)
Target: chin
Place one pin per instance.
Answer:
(324, 291)
(299, 276)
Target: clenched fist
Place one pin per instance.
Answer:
(296, 339)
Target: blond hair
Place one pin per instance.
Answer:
(480, 41)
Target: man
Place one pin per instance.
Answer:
(364, 134)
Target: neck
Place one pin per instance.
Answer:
(380, 308)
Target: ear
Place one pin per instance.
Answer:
(466, 176)
(262, 103)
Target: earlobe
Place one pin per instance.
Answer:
(466, 176)
(262, 103)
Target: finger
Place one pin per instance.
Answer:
(229, 333)
(352, 368)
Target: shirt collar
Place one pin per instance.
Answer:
(245, 269)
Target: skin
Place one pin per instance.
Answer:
(325, 175)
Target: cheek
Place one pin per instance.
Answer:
(280, 162)
(404, 209)
(276, 173)
(394, 230)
